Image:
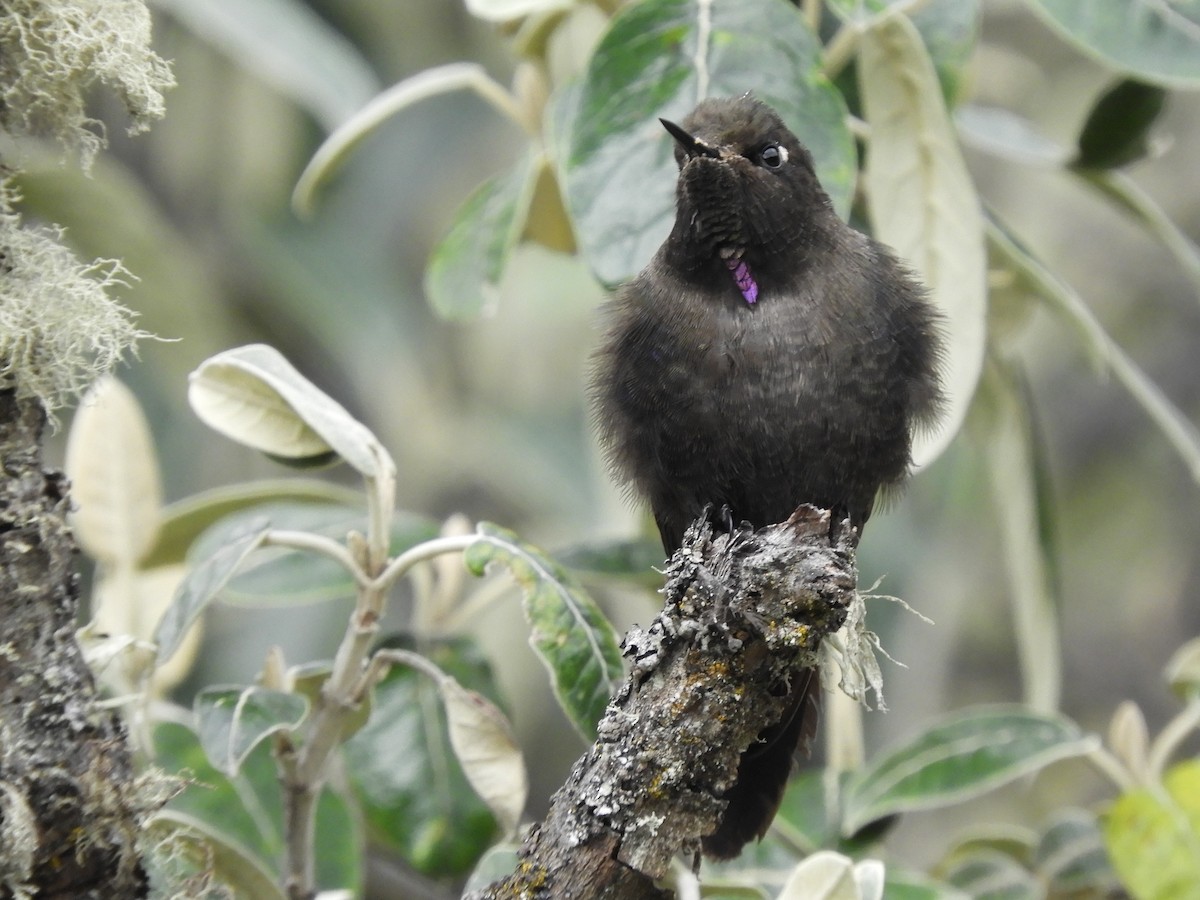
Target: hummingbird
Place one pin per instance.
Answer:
(768, 356)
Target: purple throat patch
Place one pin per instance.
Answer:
(744, 280)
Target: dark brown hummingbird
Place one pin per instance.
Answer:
(768, 356)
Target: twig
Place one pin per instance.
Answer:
(744, 615)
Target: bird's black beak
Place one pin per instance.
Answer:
(692, 146)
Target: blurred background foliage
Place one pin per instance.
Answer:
(488, 417)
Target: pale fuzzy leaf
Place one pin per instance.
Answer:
(824, 875)
(253, 395)
(287, 45)
(922, 203)
(242, 406)
(504, 10)
(1129, 739)
(870, 876)
(1183, 669)
(120, 662)
(960, 757)
(484, 744)
(429, 83)
(1157, 40)
(114, 474)
(132, 604)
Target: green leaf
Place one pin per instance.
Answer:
(917, 886)
(499, 862)
(230, 806)
(628, 560)
(463, 274)
(1158, 41)
(339, 844)
(204, 582)
(115, 481)
(1070, 856)
(287, 45)
(184, 847)
(1012, 840)
(1020, 493)
(659, 58)
(414, 801)
(253, 395)
(1061, 298)
(183, 522)
(568, 632)
(1004, 133)
(988, 875)
(803, 818)
(1116, 129)
(924, 205)
(1153, 837)
(278, 576)
(248, 810)
(232, 721)
(961, 757)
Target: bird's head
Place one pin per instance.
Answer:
(746, 183)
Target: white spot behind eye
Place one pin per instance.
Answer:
(783, 154)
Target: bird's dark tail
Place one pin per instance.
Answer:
(763, 772)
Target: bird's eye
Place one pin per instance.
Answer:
(773, 156)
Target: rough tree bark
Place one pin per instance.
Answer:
(744, 614)
(69, 806)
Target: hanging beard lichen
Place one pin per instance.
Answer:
(59, 327)
(53, 51)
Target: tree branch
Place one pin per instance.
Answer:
(70, 807)
(744, 615)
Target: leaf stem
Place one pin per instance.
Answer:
(428, 550)
(1174, 734)
(812, 14)
(319, 544)
(1110, 766)
(1126, 193)
(381, 501)
(844, 42)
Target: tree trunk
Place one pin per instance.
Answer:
(69, 805)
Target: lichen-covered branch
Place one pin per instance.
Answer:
(70, 808)
(744, 615)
